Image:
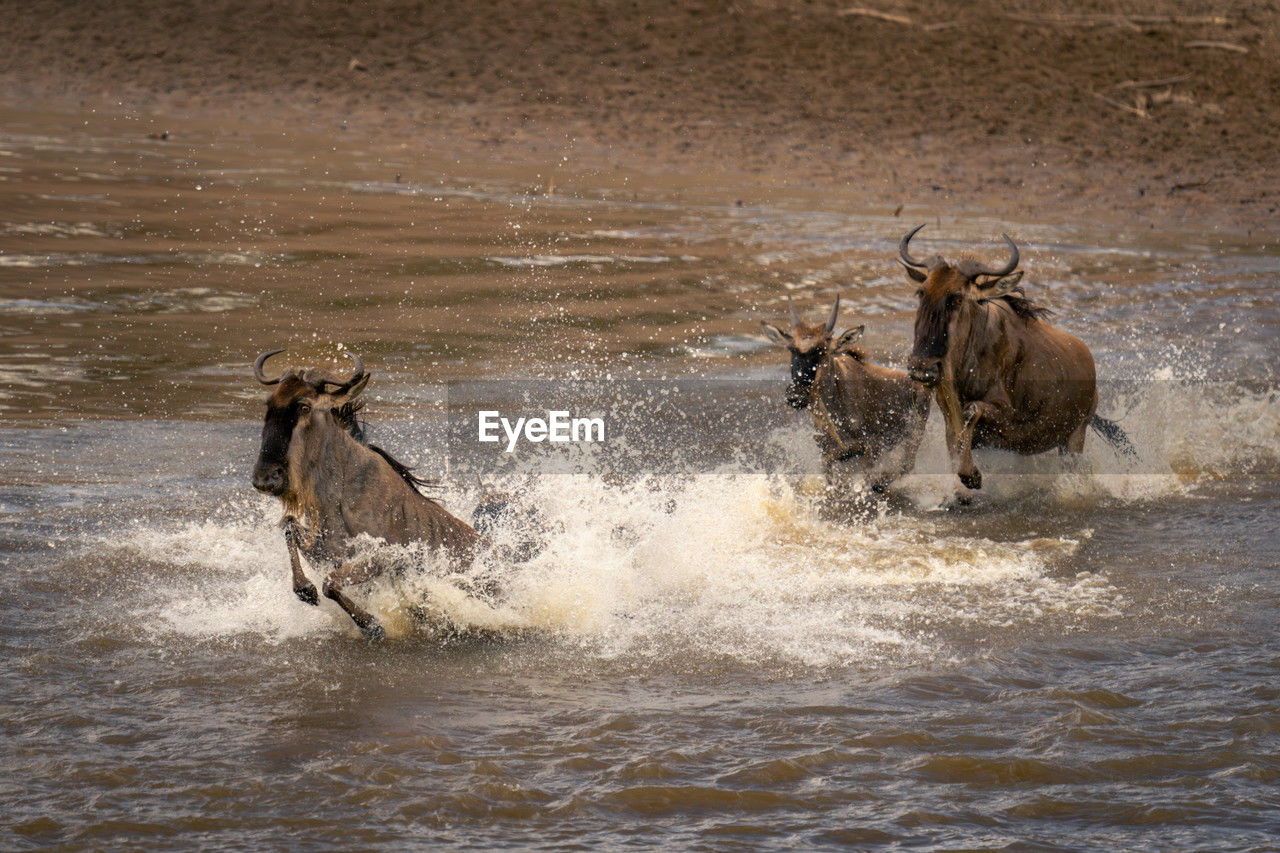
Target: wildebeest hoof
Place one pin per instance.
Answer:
(307, 594)
(373, 631)
(972, 480)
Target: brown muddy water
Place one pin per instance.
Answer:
(706, 654)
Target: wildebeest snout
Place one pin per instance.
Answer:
(926, 371)
(269, 478)
(798, 395)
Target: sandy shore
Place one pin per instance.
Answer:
(1164, 113)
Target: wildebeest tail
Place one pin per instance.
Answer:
(1115, 436)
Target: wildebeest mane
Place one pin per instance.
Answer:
(1024, 307)
(405, 472)
(349, 419)
(853, 351)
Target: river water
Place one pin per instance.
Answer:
(706, 653)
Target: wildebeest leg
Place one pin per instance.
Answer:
(1075, 444)
(356, 571)
(967, 471)
(949, 403)
(959, 428)
(910, 445)
(303, 588)
(1073, 448)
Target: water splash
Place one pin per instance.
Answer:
(728, 563)
(747, 563)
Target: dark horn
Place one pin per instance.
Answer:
(902, 249)
(262, 360)
(835, 310)
(1007, 268)
(795, 321)
(355, 376)
(359, 371)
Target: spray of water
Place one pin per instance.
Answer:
(745, 563)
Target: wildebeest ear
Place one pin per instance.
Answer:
(1000, 287)
(351, 393)
(918, 276)
(849, 338)
(775, 334)
(358, 388)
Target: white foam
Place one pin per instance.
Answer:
(1185, 433)
(740, 563)
(237, 579)
(727, 563)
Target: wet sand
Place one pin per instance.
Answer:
(1159, 115)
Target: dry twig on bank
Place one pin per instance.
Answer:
(1151, 84)
(1218, 45)
(1084, 20)
(864, 12)
(1137, 111)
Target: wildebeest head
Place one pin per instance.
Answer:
(808, 343)
(944, 288)
(300, 403)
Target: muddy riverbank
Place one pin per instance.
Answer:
(1160, 115)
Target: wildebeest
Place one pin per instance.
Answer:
(1004, 377)
(334, 486)
(868, 419)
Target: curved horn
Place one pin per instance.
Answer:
(795, 321)
(257, 368)
(355, 376)
(904, 254)
(977, 269)
(835, 310)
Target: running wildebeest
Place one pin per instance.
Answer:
(868, 419)
(1003, 377)
(334, 486)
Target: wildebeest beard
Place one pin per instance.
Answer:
(932, 322)
(804, 366)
